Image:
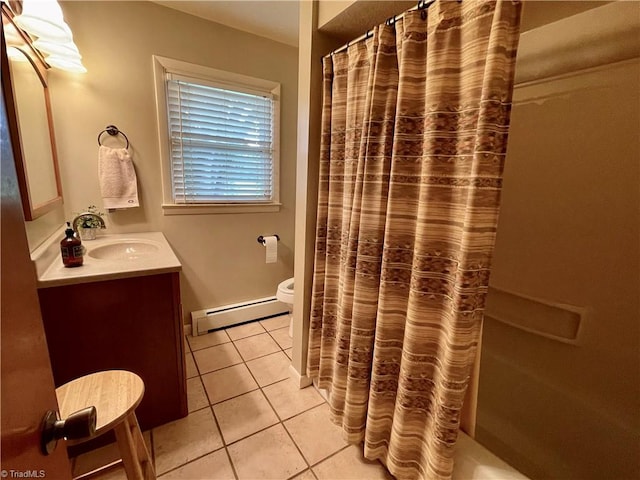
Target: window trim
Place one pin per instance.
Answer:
(162, 66)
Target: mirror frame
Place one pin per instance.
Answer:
(31, 210)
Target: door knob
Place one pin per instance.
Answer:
(80, 424)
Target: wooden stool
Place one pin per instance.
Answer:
(115, 394)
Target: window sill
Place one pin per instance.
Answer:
(207, 209)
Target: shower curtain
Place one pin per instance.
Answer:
(414, 134)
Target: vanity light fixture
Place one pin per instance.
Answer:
(11, 35)
(15, 44)
(16, 54)
(43, 19)
(66, 49)
(61, 55)
(66, 63)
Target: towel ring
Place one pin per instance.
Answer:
(113, 131)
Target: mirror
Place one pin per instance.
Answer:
(30, 123)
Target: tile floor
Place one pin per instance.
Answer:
(247, 419)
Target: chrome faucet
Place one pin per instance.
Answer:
(80, 218)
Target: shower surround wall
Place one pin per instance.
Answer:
(222, 263)
(568, 233)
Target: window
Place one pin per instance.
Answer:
(218, 139)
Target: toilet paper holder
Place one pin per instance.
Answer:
(262, 241)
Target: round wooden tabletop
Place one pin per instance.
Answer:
(114, 393)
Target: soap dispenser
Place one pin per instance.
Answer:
(71, 248)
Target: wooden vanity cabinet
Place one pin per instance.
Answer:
(132, 324)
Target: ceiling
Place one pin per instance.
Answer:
(278, 20)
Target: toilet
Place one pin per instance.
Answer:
(285, 295)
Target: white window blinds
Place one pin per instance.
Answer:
(221, 142)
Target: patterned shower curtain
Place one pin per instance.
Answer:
(414, 135)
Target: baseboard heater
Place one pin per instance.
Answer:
(203, 321)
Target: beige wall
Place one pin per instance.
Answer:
(568, 234)
(348, 19)
(222, 262)
(313, 44)
(328, 10)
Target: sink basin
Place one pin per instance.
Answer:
(126, 250)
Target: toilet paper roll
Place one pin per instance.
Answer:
(271, 245)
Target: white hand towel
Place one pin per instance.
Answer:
(117, 176)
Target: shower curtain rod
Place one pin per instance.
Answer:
(422, 5)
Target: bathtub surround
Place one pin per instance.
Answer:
(568, 234)
(410, 179)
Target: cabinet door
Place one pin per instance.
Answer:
(131, 324)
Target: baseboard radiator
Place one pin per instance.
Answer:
(203, 321)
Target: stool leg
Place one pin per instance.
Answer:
(128, 451)
(144, 458)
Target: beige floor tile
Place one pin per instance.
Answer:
(228, 382)
(314, 433)
(243, 331)
(208, 340)
(275, 323)
(102, 456)
(190, 364)
(289, 353)
(215, 466)
(270, 369)
(282, 337)
(306, 475)
(288, 400)
(196, 398)
(244, 415)
(256, 346)
(183, 440)
(350, 464)
(269, 454)
(215, 358)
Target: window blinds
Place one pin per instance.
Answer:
(221, 143)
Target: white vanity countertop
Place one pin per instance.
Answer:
(52, 273)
